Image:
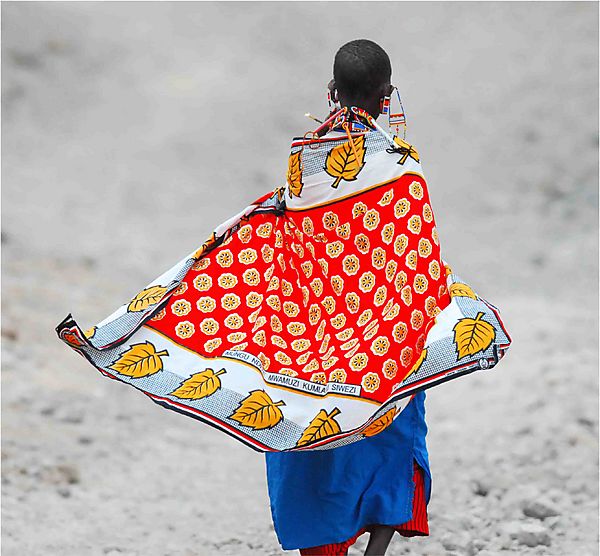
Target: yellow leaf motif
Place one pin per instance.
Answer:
(342, 163)
(140, 360)
(294, 174)
(473, 335)
(381, 423)
(89, 333)
(280, 191)
(258, 411)
(206, 246)
(417, 364)
(405, 149)
(145, 298)
(461, 290)
(322, 426)
(199, 385)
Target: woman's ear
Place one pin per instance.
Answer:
(332, 97)
(386, 90)
(333, 91)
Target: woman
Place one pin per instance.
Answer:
(321, 501)
(309, 324)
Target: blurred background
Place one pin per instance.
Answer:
(131, 129)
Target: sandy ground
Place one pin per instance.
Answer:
(131, 129)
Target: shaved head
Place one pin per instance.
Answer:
(362, 72)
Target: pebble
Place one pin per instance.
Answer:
(586, 422)
(70, 473)
(480, 487)
(553, 522)
(62, 474)
(540, 508)
(478, 545)
(9, 333)
(74, 416)
(64, 491)
(579, 498)
(532, 534)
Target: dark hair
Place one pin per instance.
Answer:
(360, 67)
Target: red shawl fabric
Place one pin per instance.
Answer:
(308, 320)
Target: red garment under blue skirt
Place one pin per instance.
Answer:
(417, 526)
(328, 496)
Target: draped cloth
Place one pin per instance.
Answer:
(309, 319)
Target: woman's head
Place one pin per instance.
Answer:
(361, 75)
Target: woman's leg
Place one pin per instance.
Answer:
(381, 535)
(334, 549)
(380, 538)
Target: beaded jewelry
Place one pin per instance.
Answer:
(396, 116)
(338, 115)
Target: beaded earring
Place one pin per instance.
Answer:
(396, 116)
(384, 105)
(332, 101)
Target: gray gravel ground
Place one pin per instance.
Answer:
(130, 130)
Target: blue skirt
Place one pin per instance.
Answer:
(327, 496)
